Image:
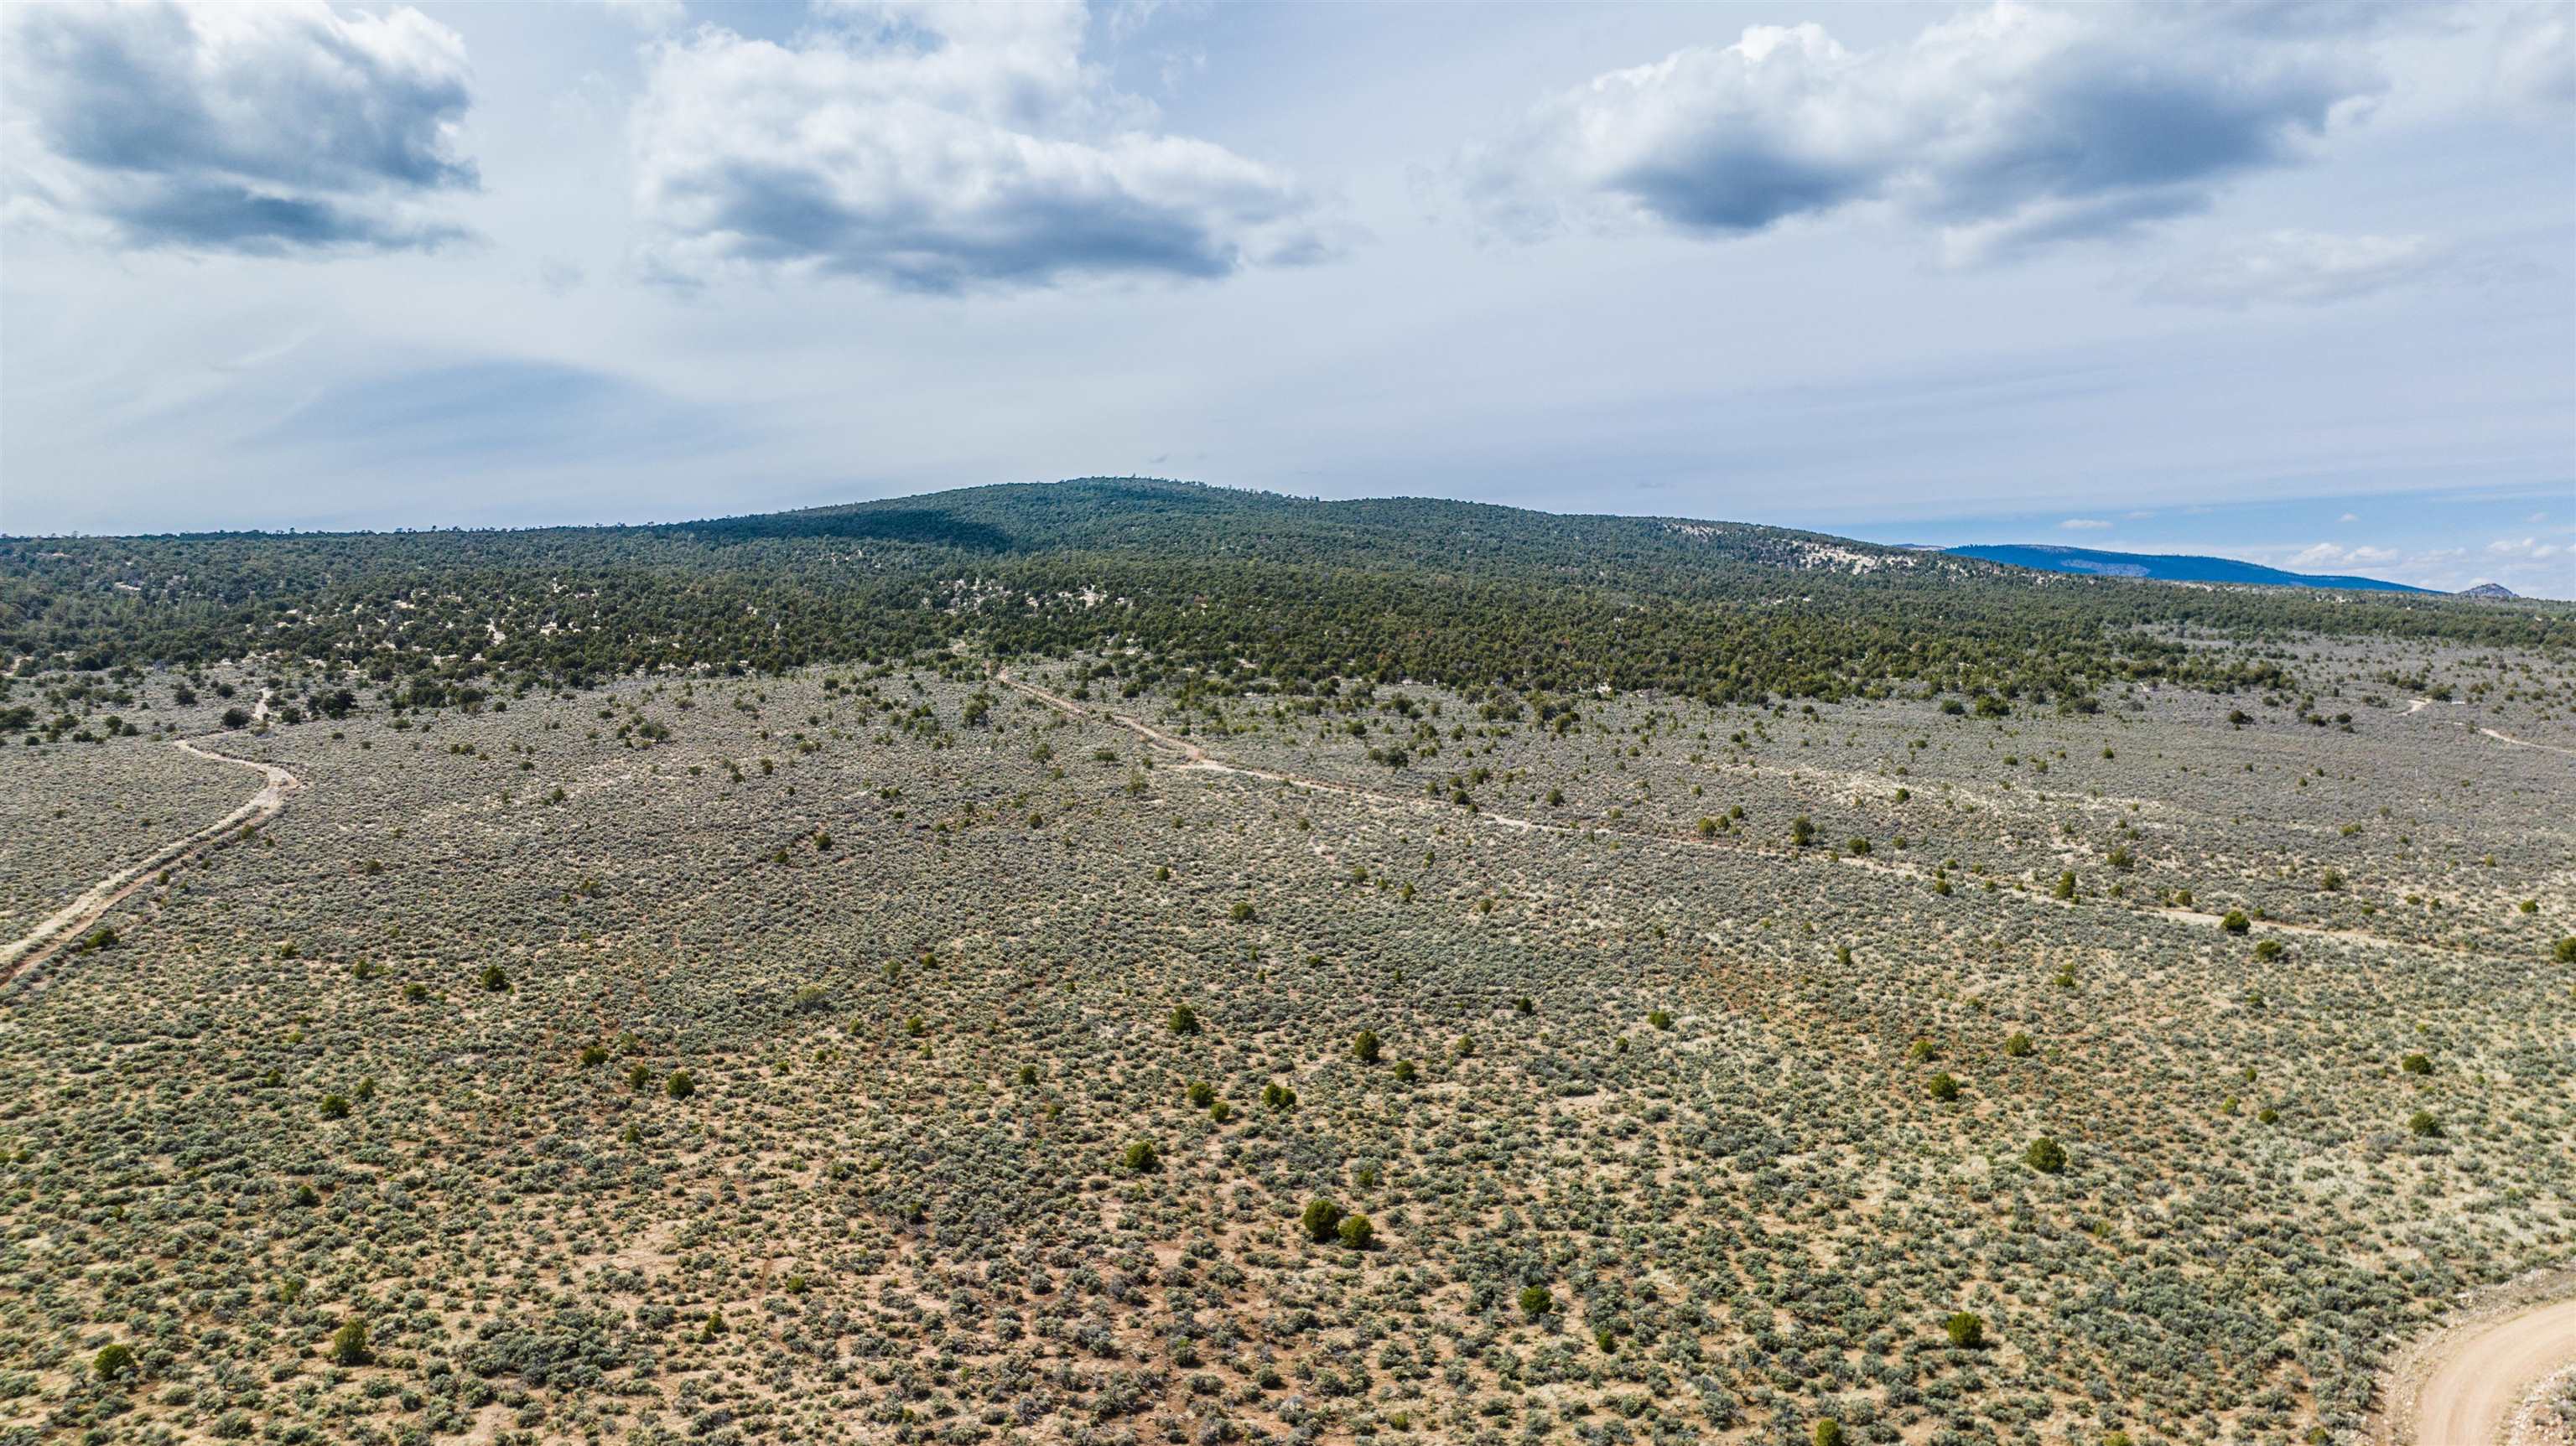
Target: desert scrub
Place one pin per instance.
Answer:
(590, 1252)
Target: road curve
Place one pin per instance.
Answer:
(69, 922)
(2466, 1391)
(1194, 757)
(2420, 704)
(2527, 743)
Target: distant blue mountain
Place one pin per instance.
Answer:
(2164, 567)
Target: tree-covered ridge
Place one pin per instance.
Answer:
(1257, 589)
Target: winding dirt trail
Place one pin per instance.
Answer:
(66, 924)
(2526, 743)
(2420, 704)
(2465, 1389)
(1195, 758)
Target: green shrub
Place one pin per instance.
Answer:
(1185, 1020)
(1141, 1157)
(494, 981)
(1536, 1301)
(1355, 1231)
(2416, 1064)
(1966, 1329)
(2423, 1123)
(2018, 1045)
(593, 1055)
(1944, 1088)
(1366, 1046)
(335, 1107)
(2267, 950)
(2236, 922)
(1320, 1219)
(1406, 1072)
(2045, 1155)
(349, 1345)
(1278, 1097)
(1802, 831)
(680, 1085)
(1201, 1094)
(1660, 1019)
(113, 1361)
(1829, 1432)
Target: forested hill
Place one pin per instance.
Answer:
(1140, 516)
(1216, 587)
(2167, 567)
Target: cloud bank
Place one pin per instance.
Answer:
(941, 149)
(2305, 268)
(2002, 130)
(272, 127)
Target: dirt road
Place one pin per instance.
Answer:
(2420, 704)
(1194, 757)
(68, 923)
(2527, 743)
(2463, 1393)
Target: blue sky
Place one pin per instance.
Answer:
(2288, 281)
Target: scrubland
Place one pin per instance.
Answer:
(888, 1054)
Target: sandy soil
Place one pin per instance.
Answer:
(1194, 757)
(2463, 1387)
(68, 922)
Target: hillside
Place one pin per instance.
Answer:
(1241, 584)
(2166, 567)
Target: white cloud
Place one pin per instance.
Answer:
(2300, 267)
(268, 127)
(2331, 555)
(2083, 524)
(2526, 549)
(2536, 56)
(938, 148)
(2527, 565)
(2349, 517)
(2006, 128)
(650, 16)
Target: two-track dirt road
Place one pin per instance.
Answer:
(67, 923)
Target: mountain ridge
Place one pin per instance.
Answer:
(2172, 567)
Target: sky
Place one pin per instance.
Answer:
(2287, 280)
